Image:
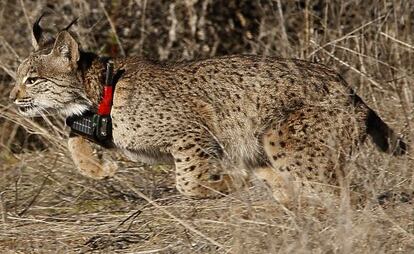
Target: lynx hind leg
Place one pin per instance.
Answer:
(87, 161)
(200, 174)
(280, 183)
(306, 152)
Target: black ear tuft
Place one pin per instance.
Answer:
(37, 32)
(70, 24)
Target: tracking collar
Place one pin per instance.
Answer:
(97, 126)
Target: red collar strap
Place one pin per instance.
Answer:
(104, 107)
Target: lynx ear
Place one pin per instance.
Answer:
(66, 47)
(37, 33)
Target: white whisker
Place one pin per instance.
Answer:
(43, 113)
(74, 109)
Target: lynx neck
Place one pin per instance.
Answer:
(92, 69)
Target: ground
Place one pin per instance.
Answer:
(50, 208)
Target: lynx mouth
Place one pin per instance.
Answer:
(35, 111)
(24, 108)
(27, 109)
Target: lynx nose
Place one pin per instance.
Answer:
(16, 92)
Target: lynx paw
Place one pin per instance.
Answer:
(87, 161)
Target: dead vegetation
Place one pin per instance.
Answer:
(47, 207)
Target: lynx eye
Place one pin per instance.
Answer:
(31, 81)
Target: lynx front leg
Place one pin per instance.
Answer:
(87, 161)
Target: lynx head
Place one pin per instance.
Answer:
(48, 81)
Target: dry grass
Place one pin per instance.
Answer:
(47, 207)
